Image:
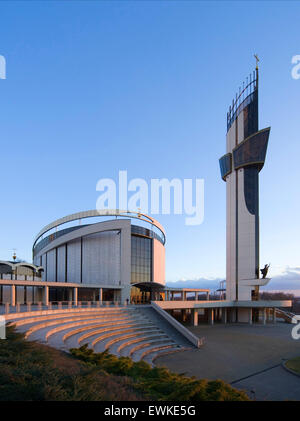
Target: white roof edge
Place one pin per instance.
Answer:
(94, 213)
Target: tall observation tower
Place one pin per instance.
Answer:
(246, 148)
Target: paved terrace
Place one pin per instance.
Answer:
(247, 356)
(225, 311)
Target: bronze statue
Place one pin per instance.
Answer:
(264, 271)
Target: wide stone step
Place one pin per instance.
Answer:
(74, 337)
(107, 327)
(57, 322)
(141, 353)
(152, 356)
(127, 347)
(99, 343)
(126, 340)
(27, 321)
(107, 335)
(76, 322)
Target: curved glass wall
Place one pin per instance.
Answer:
(141, 259)
(45, 241)
(135, 229)
(252, 150)
(139, 230)
(225, 165)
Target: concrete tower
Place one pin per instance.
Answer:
(246, 148)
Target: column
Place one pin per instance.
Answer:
(13, 295)
(195, 317)
(70, 295)
(250, 316)
(264, 316)
(207, 296)
(211, 316)
(46, 295)
(100, 294)
(224, 315)
(75, 296)
(196, 295)
(183, 314)
(184, 295)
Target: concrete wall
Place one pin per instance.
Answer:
(158, 259)
(101, 258)
(97, 254)
(230, 221)
(241, 225)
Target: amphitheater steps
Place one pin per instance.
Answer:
(124, 348)
(91, 337)
(125, 341)
(136, 332)
(152, 356)
(100, 336)
(36, 331)
(99, 344)
(141, 353)
(30, 321)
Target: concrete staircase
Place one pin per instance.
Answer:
(138, 332)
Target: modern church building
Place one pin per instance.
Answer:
(113, 256)
(118, 254)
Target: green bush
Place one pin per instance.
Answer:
(31, 371)
(159, 383)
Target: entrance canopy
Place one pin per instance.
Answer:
(149, 286)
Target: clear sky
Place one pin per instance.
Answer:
(94, 87)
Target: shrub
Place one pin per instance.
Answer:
(159, 383)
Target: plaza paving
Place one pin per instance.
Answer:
(247, 356)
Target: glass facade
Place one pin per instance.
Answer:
(137, 229)
(47, 240)
(252, 151)
(225, 165)
(141, 259)
(251, 189)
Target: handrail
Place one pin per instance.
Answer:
(286, 315)
(198, 342)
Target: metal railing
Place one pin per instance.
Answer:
(283, 314)
(243, 98)
(7, 308)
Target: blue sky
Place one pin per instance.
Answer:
(97, 87)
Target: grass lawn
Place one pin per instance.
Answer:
(35, 372)
(294, 365)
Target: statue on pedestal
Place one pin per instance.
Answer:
(264, 271)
